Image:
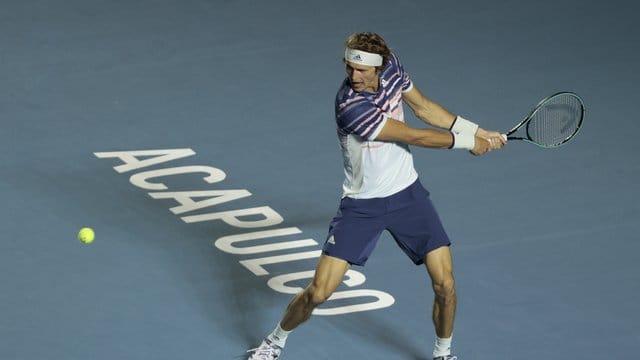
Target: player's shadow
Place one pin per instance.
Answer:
(248, 298)
(373, 329)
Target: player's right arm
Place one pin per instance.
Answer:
(398, 131)
(436, 115)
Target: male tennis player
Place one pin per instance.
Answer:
(381, 190)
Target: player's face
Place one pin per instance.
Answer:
(362, 77)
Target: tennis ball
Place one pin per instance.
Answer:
(86, 235)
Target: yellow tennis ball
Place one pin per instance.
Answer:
(86, 235)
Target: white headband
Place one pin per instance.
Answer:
(362, 57)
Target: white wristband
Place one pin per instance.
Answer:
(464, 126)
(463, 141)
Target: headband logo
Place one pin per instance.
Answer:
(362, 57)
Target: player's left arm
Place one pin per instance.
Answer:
(427, 110)
(436, 115)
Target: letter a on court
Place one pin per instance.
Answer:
(131, 161)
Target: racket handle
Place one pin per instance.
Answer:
(504, 136)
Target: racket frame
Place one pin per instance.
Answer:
(542, 102)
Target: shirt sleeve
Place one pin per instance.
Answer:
(407, 84)
(360, 117)
(406, 87)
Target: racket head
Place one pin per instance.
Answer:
(553, 122)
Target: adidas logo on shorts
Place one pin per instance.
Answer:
(331, 240)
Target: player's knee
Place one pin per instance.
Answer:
(445, 288)
(317, 295)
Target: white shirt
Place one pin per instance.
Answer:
(372, 168)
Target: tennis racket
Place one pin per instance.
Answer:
(553, 122)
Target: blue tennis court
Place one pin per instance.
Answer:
(198, 139)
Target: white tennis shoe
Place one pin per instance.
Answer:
(266, 351)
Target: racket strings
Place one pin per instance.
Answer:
(556, 120)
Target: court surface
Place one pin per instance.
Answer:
(240, 93)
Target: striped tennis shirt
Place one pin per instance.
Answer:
(372, 168)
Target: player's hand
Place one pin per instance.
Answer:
(495, 139)
(481, 147)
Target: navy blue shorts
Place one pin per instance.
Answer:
(409, 216)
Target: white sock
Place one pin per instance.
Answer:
(279, 336)
(442, 347)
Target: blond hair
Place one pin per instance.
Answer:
(369, 42)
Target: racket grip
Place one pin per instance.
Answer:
(504, 136)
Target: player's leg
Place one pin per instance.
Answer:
(440, 268)
(329, 273)
(352, 236)
(353, 233)
(417, 229)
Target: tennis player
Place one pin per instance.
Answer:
(381, 190)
